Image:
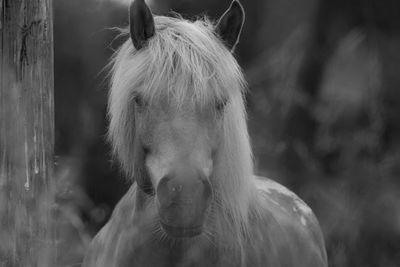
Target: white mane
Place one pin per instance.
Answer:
(186, 60)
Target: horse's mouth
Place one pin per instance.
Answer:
(180, 231)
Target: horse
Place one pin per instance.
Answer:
(178, 128)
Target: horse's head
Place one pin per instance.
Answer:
(169, 135)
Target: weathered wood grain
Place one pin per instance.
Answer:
(26, 133)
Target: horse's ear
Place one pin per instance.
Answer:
(230, 25)
(141, 23)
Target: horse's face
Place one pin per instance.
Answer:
(176, 143)
(179, 146)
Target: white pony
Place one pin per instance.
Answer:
(178, 127)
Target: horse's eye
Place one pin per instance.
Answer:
(220, 104)
(140, 102)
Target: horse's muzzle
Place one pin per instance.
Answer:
(183, 203)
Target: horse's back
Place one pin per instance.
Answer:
(288, 229)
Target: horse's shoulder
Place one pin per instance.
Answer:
(287, 213)
(285, 199)
(104, 245)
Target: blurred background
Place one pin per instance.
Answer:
(323, 104)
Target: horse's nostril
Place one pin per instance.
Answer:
(162, 189)
(176, 188)
(207, 189)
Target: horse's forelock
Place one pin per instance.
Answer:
(184, 60)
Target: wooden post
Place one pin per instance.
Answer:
(26, 133)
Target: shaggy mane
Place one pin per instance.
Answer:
(186, 61)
